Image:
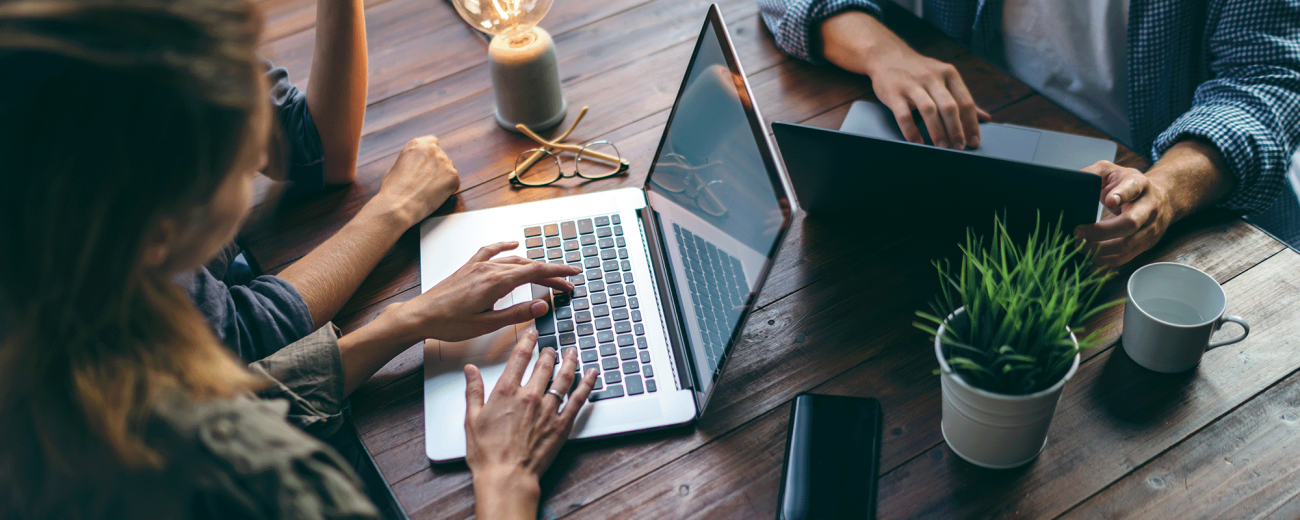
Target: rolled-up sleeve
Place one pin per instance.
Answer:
(305, 153)
(795, 24)
(309, 375)
(256, 318)
(1250, 110)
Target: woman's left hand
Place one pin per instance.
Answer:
(513, 437)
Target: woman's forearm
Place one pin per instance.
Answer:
(336, 94)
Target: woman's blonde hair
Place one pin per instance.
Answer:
(113, 115)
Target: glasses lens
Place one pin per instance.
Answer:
(598, 160)
(708, 199)
(670, 173)
(544, 168)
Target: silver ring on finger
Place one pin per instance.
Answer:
(555, 393)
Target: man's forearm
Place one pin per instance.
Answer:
(337, 91)
(329, 274)
(1194, 175)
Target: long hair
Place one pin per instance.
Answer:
(113, 115)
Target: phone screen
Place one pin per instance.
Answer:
(832, 458)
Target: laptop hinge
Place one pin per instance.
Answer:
(672, 318)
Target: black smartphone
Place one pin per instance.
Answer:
(832, 457)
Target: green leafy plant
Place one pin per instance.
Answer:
(1021, 304)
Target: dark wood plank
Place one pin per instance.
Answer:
(1241, 466)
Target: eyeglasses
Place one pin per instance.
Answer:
(675, 174)
(541, 167)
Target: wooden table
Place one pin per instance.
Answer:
(835, 316)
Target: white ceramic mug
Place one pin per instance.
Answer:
(1172, 311)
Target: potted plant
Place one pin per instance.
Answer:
(1004, 328)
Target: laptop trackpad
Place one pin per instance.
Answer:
(1007, 142)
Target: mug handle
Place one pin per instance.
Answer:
(1235, 319)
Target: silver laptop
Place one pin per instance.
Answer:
(671, 270)
(1016, 143)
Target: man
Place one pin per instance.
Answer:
(1211, 93)
(321, 130)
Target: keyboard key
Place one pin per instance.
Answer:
(594, 274)
(564, 313)
(552, 254)
(615, 219)
(631, 290)
(608, 393)
(536, 254)
(621, 242)
(613, 277)
(599, 298)
(619, 314)
(582, 316)
(618, 230)
(647, 371)
(533, 242)
(622, 253)
(608, 349)
(603, 323)
(573, 257)
(533, 231)
(590, 366)
(570, 245)
(631, 367)
(634, 385)
(597, 286)
(599, 383)
(546, 324)
(568, 230)
(618, 301)
(632, 303)
(602, 221)
(587, 342)
(626, 353)
(650, 385)
(645, 357)
(622, 327)
(639, 328)
(605, 254)
(579, 292)
(591, 262)
(589, 356)
(627, 265)
(641, 343)
(609, 363)
(603, 232)
(585, 329)
(605, 243)
(636, 315)
(584, 226)
(547, 341)
(587, 240)
(581, 304)
(577, 279)
(590, 251)
(615, 290)
(600, 311)
(611, 265)
(551, 230)
(564, 326)
(568, 338)
(605, 336)
(613, 377)
(553, 242)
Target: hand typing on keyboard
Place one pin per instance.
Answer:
(460, 307)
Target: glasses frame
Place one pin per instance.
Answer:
(557, 144)
(693, 185)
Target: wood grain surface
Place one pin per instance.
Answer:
(835, 315)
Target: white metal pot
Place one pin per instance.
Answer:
(995, 430)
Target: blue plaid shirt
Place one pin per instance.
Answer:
(1228, 72)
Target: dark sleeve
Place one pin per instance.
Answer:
(305, 153)
(254, 319)
(309, 376)
(795, 23)
(1250, 110)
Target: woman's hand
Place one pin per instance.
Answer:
(460, 307)
(513, 437)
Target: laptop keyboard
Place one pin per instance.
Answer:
(601, 318)
(718, 289)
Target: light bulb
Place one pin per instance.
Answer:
(502, 16)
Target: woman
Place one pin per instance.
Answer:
(129, 135)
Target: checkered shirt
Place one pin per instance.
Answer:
(1227, 71)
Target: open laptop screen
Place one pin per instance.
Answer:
(720, 203)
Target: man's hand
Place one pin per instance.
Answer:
(513, 437)
(419, 182)
(905, 80)
(1140, 211)
(460, 307)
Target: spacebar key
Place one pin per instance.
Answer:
(609, 392)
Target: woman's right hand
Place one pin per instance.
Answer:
(460, 307)
(513, 437)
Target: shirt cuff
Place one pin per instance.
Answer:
(808, 33)
(1246, 147)
(308, 374)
